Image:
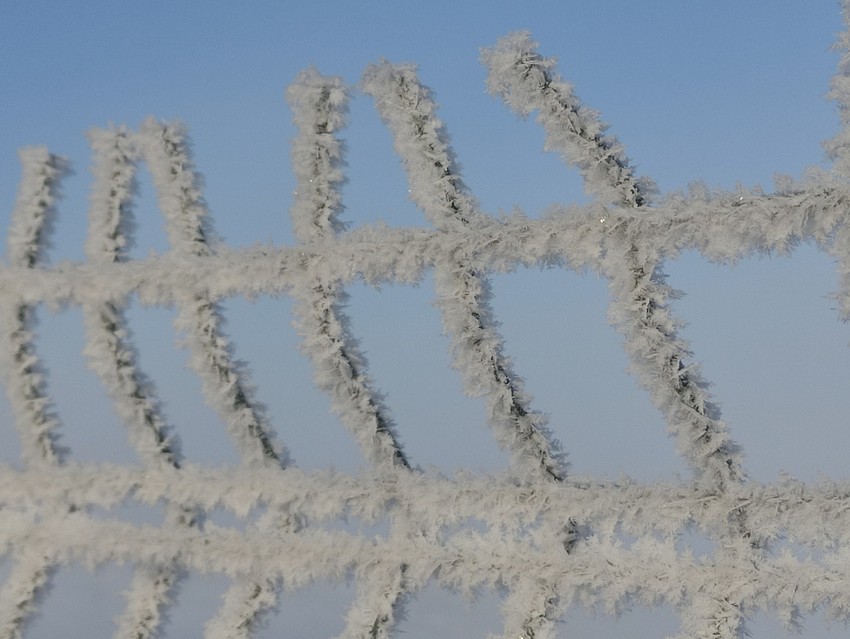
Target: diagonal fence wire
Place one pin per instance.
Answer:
(463, 296)
(112, 356)
(24, 374)
(165, 148)
(319, 104)
(527, 82)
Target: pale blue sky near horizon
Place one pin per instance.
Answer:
(723, 92)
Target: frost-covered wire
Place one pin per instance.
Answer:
(319, 104)
(112, 356)
(527, 82)
(462, 292)
(639, 294)
(164, 147)
(108, 348)
(605, 574)
(31, 223)
(24, 375)
(166, 151)
(724, 226)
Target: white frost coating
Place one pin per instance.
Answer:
(165, 149)
(110, 210)
(149, 595)
(319, 104)
(35, 207)
(22, 591)
(23, 374)
(379, 604)
(527, 82)
(839, 146)
(816, 516)
(839, 150)
(623, 539)
(606, 573)
(112, 356)
(226, 386)
(718, 224)
(242, 608)
(638, 308)
(31, 223)
(420, 140)
(463, 294)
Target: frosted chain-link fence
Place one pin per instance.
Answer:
(547, 541)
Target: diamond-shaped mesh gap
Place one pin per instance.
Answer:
(501, 161)
(400, 331)
(316, 610)
(696, 543)
(767, 625)
(198, 430)
(369, 153)
(226, 518)
(77, 392)
(82, 602)
(635, 621)
(244, 217)
(198, 598)
(776, 354)
(570, 360)
(269, 345)
(439, 612)
(132, 511)
(146, 223)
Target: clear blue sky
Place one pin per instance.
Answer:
(724, 92)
